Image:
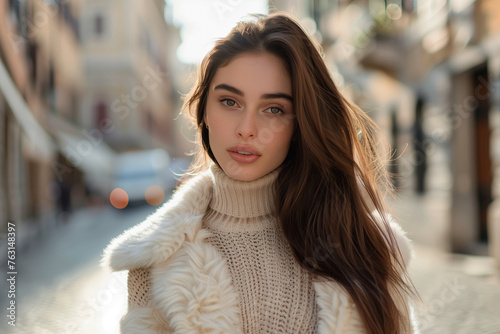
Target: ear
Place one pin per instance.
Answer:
(205, 119)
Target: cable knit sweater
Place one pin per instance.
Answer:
(275, 293)
(213, 260)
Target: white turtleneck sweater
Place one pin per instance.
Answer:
(276, 295)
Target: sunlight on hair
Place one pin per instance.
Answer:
(118, 198)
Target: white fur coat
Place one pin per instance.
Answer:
(191, 285)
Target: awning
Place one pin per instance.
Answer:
(472, 56)
(380, 88)
(91, 155)
(40, 140)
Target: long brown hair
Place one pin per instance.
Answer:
(332, 179)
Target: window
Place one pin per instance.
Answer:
(101, 114)
(74, 105)
(69, 18)
(18, 14)
(408, 6)
(98, 25)
(51, 94)
(32, 56)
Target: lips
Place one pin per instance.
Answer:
(244, 149)
(244, 153)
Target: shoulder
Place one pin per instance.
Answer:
(174, 222)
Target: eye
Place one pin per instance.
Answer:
(228, 102)
(274, 111)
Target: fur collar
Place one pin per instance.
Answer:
(158, 237)
(191, 283)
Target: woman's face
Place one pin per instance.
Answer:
(249, 113)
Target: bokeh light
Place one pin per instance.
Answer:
(394, 11)
(154, 195)
(118, 198)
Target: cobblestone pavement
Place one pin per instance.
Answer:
(63, 290)
(461, 293)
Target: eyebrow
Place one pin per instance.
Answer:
(265, 96)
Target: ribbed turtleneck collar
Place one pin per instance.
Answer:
(242, 199)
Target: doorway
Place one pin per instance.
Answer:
(484, 175)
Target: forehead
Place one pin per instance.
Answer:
(255, 72)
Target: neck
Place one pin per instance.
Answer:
(243, 199)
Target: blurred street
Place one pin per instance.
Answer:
(460, 292)
(90, 94)
(62, 289)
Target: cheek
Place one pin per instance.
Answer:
(285, 136)
(214, 114)
(218, 132)
(217, 127)
(211, 120)
(281, 124)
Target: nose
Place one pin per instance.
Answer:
(247, 127)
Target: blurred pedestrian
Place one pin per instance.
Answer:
(63, 195)
(283, 227)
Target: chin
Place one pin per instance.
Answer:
(244, 177)
(241, 172)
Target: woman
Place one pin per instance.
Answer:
(284, 228)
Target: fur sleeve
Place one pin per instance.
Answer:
(142, 316)
(337, 312)
(158, 237)
(144, 320)
(402, 242)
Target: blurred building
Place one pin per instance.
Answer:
(428, 72)
(446, 52)
(79, 80)
(297, 8)
(40, 78)
(57, 75)
(128, 96)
